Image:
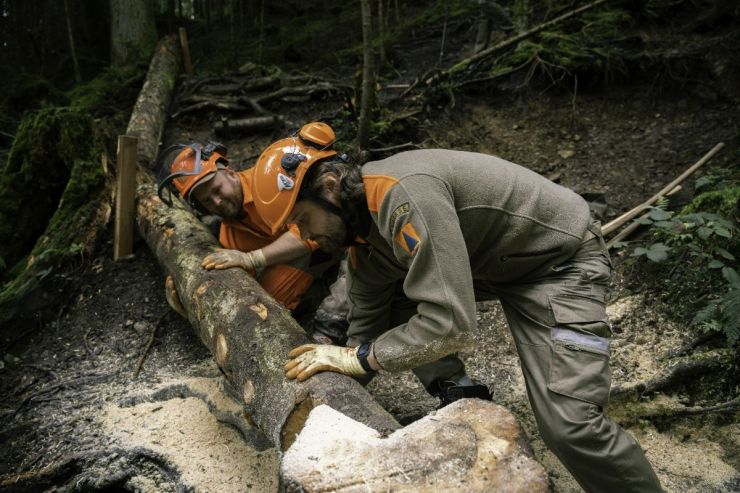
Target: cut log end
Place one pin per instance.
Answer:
(471, 445)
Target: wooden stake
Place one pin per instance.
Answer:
(185, 51)
(125, 190)
(613, 225)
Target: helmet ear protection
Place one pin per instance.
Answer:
(281, 168)
(192, 163)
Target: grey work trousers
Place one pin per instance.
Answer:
(560, 328)
(559, 325)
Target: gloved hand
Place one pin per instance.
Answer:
(309, 359)
(173, 299)
(224, 259)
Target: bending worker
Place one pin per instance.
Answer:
(438, 230)
(284, 264)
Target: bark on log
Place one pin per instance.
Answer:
(248, 332)
(150, 111)
(250, 335)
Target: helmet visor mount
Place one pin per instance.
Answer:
(188, 170)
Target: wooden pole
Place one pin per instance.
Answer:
(634, 225)
(185, 51)
(613, 225)
(125, 191)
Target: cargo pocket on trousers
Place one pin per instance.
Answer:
(579, 365)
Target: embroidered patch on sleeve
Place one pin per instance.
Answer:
(408, 238)
(401, 209)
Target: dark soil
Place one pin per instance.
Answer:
(75, 418)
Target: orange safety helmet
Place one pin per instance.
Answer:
(281, 168)
(193, 165)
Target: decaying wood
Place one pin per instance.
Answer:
(248, 124)
(614, 224)
(254, 103)
(149, 114)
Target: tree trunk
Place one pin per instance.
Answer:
(149, 114)
(250, 335)
(381, 35)
(248, 332)
(72, 50)
(133, 32)
(368, 83)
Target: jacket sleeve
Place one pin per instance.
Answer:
(310, 244)
(417, 217)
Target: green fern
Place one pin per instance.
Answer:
(722, 315)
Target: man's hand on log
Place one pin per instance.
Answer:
(173, 299)
(309, 359)
(225, 259)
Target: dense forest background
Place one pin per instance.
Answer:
(613, 99)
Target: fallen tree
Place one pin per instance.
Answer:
(250, 335)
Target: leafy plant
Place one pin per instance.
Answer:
(697, 246)
(723, 314)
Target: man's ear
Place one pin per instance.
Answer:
(330, 187)
(231, 174)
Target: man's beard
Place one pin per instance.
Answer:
(230, 210)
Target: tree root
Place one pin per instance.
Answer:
(239, 101)
(667, 407)
(97, 470)
(676, 372)
(66, 384)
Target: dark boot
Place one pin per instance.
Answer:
(453, 390)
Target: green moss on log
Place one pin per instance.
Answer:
(40, 163)
(107, 89)
(53, 171)
(725, 202)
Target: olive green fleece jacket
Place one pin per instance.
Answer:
(442, 221)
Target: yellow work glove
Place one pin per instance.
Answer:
(309, 359)
(173, 299)
(224, 259)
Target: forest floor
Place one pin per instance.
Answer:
(75, 417)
